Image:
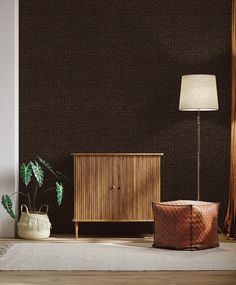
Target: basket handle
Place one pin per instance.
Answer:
(46, 206)
(21, 208)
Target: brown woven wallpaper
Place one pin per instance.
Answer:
(104, 76)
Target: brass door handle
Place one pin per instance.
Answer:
(114, 187)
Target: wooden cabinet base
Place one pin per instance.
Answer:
(108, 221)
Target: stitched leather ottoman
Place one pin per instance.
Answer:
(185, 224)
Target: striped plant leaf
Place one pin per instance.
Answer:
(38, 172)
(60, 192)
(47, 165)
(26, 173)
(7, 204)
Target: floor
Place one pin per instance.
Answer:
(97, 278)
(105, 278)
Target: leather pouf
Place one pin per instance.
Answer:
(186, 224)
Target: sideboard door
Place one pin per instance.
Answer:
(93, 188)
(142, 186)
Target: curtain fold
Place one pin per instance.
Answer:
(230, 219)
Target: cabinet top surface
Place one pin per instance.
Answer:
(126, 153)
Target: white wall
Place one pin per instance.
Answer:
(8, 108)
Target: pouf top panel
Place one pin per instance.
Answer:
(186, 203)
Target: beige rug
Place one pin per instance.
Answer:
(4, 247)
(114, 257)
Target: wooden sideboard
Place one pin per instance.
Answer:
(115, 187)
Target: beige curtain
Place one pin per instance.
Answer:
(230, 219)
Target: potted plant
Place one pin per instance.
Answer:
(34, 223)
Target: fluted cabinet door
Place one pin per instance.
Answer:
(93, 188)
(142, 186)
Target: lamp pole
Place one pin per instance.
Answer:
(198, 154)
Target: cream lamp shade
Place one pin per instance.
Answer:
(198, 93)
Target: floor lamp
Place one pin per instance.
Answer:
(198, 93)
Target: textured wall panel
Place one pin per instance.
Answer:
(104, 76)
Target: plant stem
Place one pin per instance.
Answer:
(27, 196)
(19, 193)
(46, 190)
(34, 197)
(29, 202)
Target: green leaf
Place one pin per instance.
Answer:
(26, 173)
(60, 192)
(38, 172)
(47, 165)
(7, 204)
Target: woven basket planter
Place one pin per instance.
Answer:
(34, 225)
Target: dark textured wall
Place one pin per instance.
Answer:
(104, 76)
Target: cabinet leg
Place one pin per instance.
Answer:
(76, 230)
